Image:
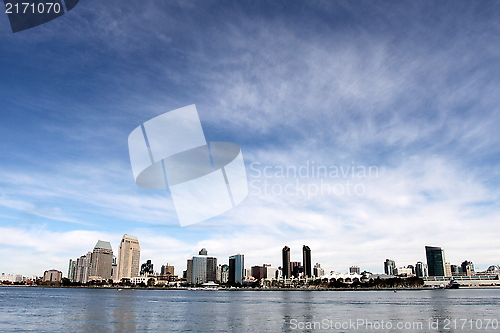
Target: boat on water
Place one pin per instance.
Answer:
(453, 285)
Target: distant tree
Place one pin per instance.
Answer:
(66, 282)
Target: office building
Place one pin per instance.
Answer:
(467, 268)
(306, 261)
(270, 272)
(52, 275)
(447, 269)
(296, 269)
(354, 270)
(101, 261)
(167, 270)
(389, 267)
(258, 272)
(435, 261)
(114, 269)
(222, 273)
(202, 268)
(421, 270)
(286, 270)
(82, 269)
(318, 271)
(404, 271)
(71, 270)
(147, 268)
(189, 271)
(129, 256)
(236, 269)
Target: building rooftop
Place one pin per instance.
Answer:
(103, 245)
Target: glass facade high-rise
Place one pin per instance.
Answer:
(129, 256)
(236, 269)
(435, 261)
(389, 267)
(286, 263)
(306, 261)
(201, 268)
(71, 270)
(421, 270)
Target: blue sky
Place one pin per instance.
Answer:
(410, 88)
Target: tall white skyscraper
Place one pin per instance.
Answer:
(129, 257)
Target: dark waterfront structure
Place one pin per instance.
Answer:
(435, 261)
(306, 261)
(286, 262)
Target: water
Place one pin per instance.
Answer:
(90, 310)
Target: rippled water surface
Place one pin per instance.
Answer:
(108, 310)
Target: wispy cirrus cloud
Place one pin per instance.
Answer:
(408, 88)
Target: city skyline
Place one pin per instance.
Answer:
(102, 265)
(388, 113)
(376, 268)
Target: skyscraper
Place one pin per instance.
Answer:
(189, 271)
(296, 269)
(286, 263)
(101, 261)
(258, 272)
(236, 269)
(421, 270)
(467, 268)
(129, 256)
(82, 270)
(222, 273)
(389, 267)
(435, 261)
(71, 270)
(306, 261)
(318, 271)
(147, 268)
(114, 269)
(202, 268)
(167, 269)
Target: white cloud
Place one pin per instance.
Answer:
(419, 106)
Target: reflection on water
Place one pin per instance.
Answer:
(94, 310)
(123, 311)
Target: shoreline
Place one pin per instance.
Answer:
(249, 289)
